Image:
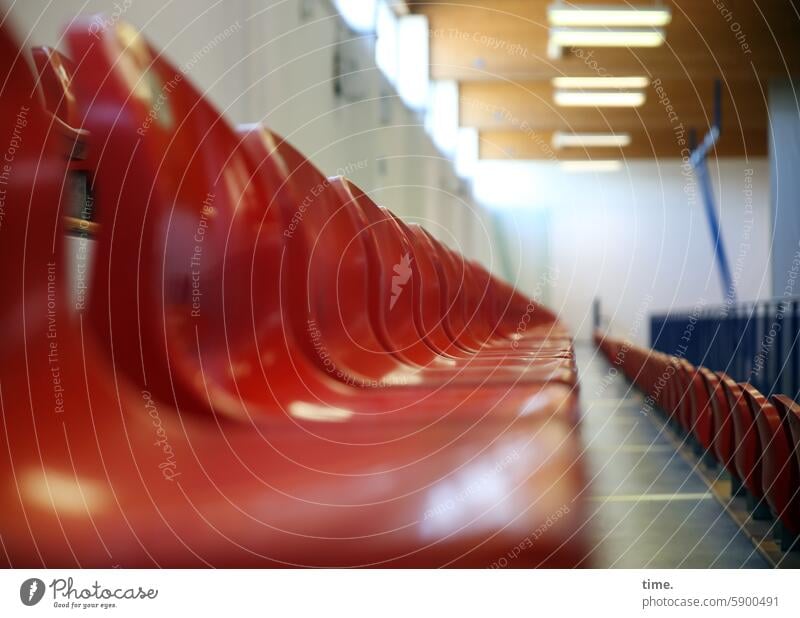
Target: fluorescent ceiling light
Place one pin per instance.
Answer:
(598, 15)
(514, 185)
(386, 44)
(605, 37)
(590, 140)
(399, 7)
(602, 83)
(591, 166)
(441, 116)
(413, 60)
(599, 98)
(467, 152)
(358, 14)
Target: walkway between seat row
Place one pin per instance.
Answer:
(648, 506)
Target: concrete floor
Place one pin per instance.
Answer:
(649, 506)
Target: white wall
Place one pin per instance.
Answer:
(180, 27)
(638, 239)
(784, 157)
(277, 67)
(619, 237)
(518, 223)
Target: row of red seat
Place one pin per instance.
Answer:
(754, 438)
(269, 368)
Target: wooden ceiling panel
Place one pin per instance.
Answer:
(517, 106)
(508, 38)
(497, 50)
(537, 145)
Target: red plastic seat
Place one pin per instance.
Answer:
(474, 295)
(353, 342)
(55, 72)
(387, 245)
(702, 414)
(523, 321)
(324, 273)
(784, 474)
(211, 319)
(125, 467)
(521, 325)
(54, 80)
(668, 387)
(724, 445)
(429, 312)
(747, 447)
(684, 378)
(781, 475)
(654, 373)
(392, 278)
(791, 412)
(504, 309)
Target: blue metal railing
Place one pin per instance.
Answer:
(756, 342)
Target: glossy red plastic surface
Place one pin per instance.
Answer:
(747, 447)
(756, 440)
(54, 80)
(683, 406)
(183, 421)
(724, 443)
(358, 337)
(789, 412)
(781, 476)
(702, 414)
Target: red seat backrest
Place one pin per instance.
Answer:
(394, 278)
(453, 303)
(790, 413)
(702, 413)
(776, 454)
(429, 289)
(326, 275)
(184, 227)
(55, 80)
(32, 266)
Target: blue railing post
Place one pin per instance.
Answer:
(756, 342)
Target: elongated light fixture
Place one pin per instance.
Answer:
(599, 98)
(413, 60)
(598, 15)
(601, 83)
(591, 166)
(358, 14)
(590, 140)
(606, 37)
